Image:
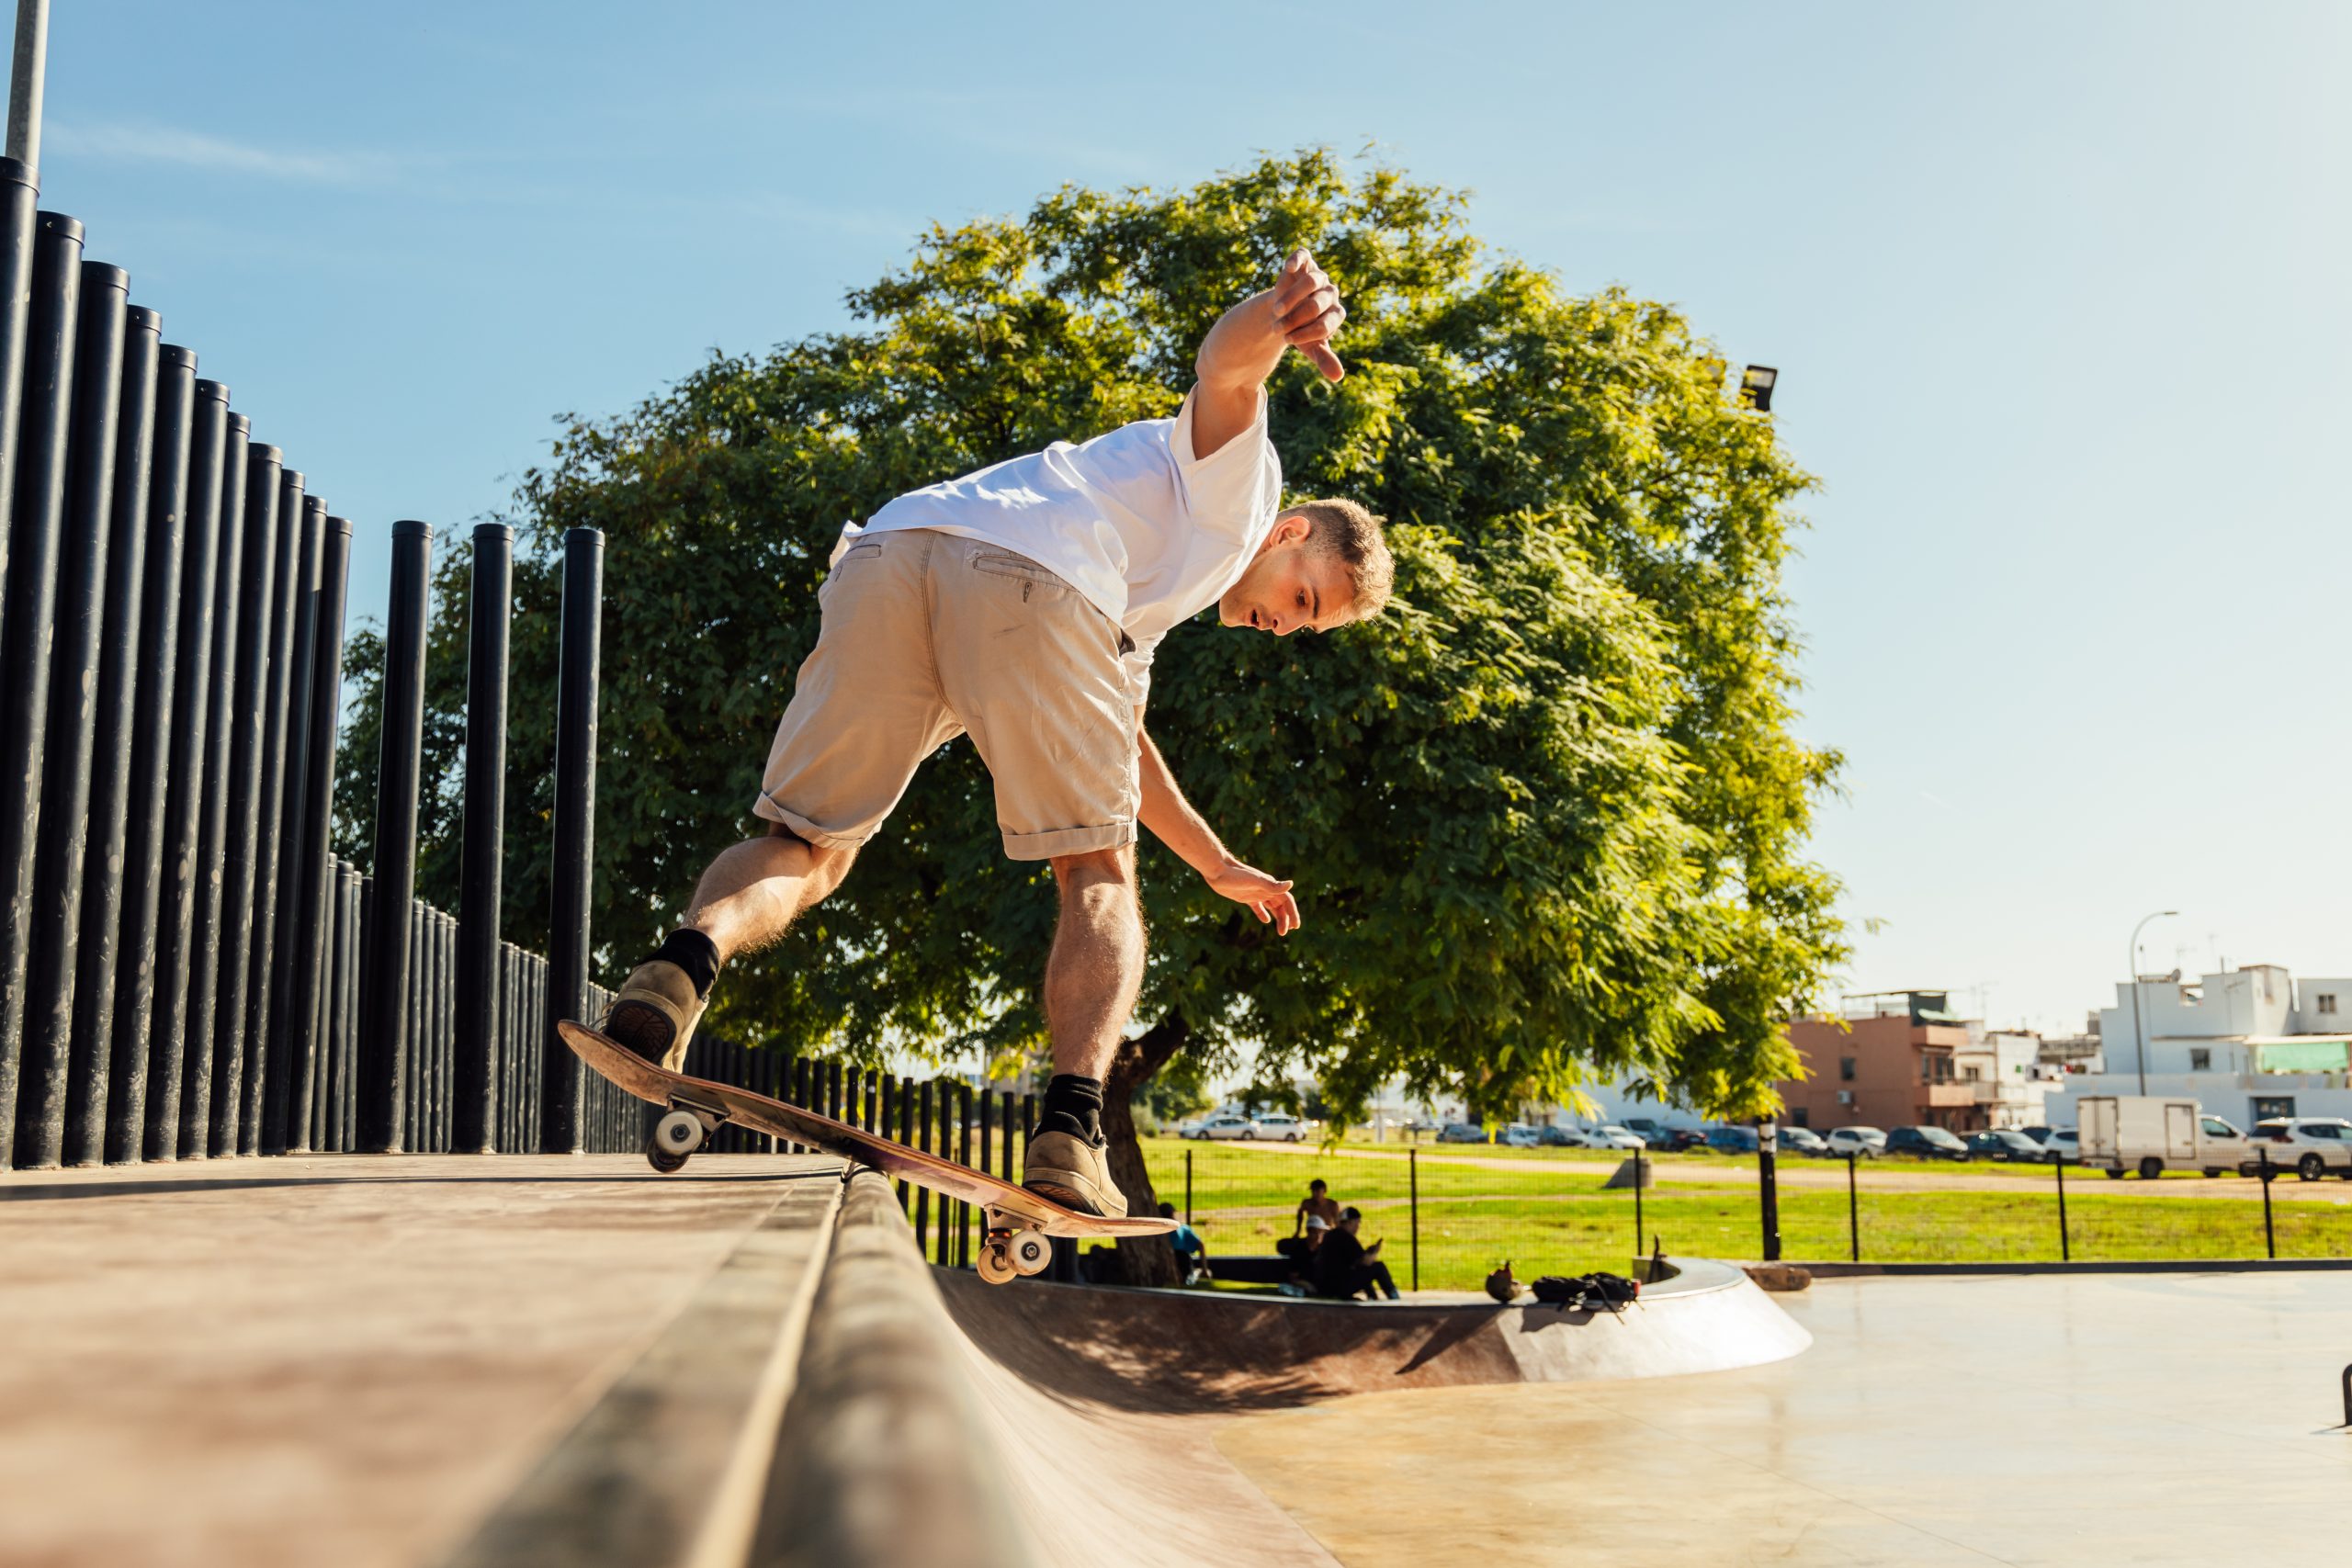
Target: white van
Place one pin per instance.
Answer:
(2151, 1133)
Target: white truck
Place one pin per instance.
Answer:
(2152, 1134)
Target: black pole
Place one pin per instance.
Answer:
(307, 959)
(166, 734)
(1187, 1187)
(1641, 1172)
(36, 539)
(179, 1124)
(149, 1127)
(1768, 1181)
(1853, 1213)
(265, 1067)
(2066, 1246)
(384, 971)
(18, 197)
(240, 856)
(76, 649)
(1413, 1175)
(281, 967)
(575, 832)
(479, 889)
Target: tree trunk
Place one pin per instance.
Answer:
(1143, 1260)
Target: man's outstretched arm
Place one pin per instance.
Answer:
(1301, 311)
(1174, 823)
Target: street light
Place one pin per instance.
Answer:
(2139, 1033)
(1755, 387)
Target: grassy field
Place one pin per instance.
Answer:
(1548, 1213)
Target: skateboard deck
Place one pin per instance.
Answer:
(1011, 1213)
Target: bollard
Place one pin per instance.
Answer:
(575, 833)
(118, 901)
(28, 621)
(489, 612)
(384, 962)
(306, 961)
(199, 708)
(284, 960)
(77, 634)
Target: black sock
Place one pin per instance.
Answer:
(1073, 1105)
(694, 952)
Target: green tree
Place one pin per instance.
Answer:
(1547, 817)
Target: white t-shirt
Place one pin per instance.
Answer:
(1150, 533)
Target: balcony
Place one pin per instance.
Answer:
(1937, 1096)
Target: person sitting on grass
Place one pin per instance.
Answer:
(1345, 1267)
(1316, 1204)
(1191, 1252)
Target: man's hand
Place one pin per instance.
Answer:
(1268, 896)
(1307, 313)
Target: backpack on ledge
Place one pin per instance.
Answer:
(1570, 1293)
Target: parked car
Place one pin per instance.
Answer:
(1462, 1133)
(1732, 1140)
(1516, 1136)
(2310, 1145)
(1225, 1124)
(2003, 1144)
(1558, 1138)
(1683, 1138)
(1653, 1133)
(1279, 1127)
(1803, 1141)
(1612, 1136)
(2040, 1135)
(1926, 1143)
(1867, 1143)
(2063, 1147)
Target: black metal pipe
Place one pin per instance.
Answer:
(144, 1125)
(76, 649)
(178, 1124)
(36, 537)
(166, 734)
(269, 822)
(575, 834)
(384, 972)
(240, 852)
(479, 880)
(18, 197)
(283, 957)
(306, 956)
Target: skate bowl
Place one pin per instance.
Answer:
(940, 1420)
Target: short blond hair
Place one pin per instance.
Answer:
(1345, 528)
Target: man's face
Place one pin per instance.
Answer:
(1289, 586)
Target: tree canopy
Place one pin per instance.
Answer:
(1546, 818)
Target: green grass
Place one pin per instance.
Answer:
(1554, 1216)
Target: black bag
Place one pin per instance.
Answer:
(1570, 1293)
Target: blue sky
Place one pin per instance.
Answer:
(2057, 293)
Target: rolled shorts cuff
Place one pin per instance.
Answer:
(764, 806)
(1067, 842)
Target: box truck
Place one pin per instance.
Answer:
(2151, 1133)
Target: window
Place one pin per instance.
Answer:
(1801, 1117)
(2327, 1001)
(2266, 1107)
(1973, 1075)
(2200, 1058)
(1845, 1069)
(2217, 1128)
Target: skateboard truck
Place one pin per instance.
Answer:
(685, 1128)
(1009, 1249)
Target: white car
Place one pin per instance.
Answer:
(2310, 1147)
(1614, 1137)
(1519, 1137)
(1226, 1125)
(2063, 1147)
(1279, 1127)
(1867, 1143)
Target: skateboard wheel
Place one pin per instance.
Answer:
(1031, 1252)
(678, 1134)
(996, 1266)
(666, 1163)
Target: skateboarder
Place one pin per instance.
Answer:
(1021, 605)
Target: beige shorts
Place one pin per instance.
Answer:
(926, 636)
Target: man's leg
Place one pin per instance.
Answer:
(746, 899)
(1091, 978)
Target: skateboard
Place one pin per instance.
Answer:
(1015, 1222)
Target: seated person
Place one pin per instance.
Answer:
(1191, 1252)
(1317, 1204)
(1345, 1267)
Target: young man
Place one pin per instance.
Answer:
(1021, 605)
(1344, 1267)
(1317, 1204)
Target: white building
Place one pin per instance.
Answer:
(2245, 1043)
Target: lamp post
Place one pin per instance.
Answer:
(2139, 1031)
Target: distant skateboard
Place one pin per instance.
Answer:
(1016, 1221)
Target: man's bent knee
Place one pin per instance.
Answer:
(1094, 867)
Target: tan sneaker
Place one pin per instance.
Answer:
(654, 1013)
(1073, 1173)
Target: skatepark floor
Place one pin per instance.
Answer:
(2108, 1419)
